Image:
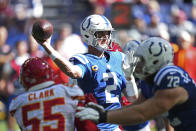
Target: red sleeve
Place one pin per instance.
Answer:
(60, 77)
(86, 125)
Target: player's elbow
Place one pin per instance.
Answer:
(74, 75)
(74, 72)
(142, 118)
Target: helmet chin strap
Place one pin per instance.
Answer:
(110, 46)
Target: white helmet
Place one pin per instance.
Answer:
(154, 53)
(93, 24)
(129, 49)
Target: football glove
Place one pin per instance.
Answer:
(93, 112)
(129, 64)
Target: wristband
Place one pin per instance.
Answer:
(103, 117)
(52, 57)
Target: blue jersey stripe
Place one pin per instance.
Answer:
(159, 76)
(160, 72)
(81, 58)
(84, 57)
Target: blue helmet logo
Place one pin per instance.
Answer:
(89, 22)
(155, 54)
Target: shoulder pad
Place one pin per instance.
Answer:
(79, 57)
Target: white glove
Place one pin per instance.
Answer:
(129, 64)
(92, 112)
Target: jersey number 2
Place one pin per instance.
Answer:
(47, 115)
(110, 87)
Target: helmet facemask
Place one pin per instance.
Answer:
(102, 40)
(139, 69)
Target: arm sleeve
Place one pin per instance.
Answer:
(80, 61)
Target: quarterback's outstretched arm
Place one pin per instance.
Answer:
(67, 67)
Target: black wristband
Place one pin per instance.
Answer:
(103, 117)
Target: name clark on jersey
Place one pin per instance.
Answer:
(41, 95)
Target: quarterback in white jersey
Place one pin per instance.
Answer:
(45, 105)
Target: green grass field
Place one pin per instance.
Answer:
(3, 126)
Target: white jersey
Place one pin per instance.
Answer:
(47, 109)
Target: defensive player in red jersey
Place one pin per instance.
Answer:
(45, 105)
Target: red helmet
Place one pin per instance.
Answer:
(115, 47)
(35, 71)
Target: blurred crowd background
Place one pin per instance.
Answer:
(174, 20)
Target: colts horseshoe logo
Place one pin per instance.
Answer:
(89, 22)
(155, 54)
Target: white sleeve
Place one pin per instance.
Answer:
(131, 87)
(14, 105)
(74, 91)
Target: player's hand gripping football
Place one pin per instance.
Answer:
(92, 112)
(42, 31)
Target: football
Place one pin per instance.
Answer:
(42, 30)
